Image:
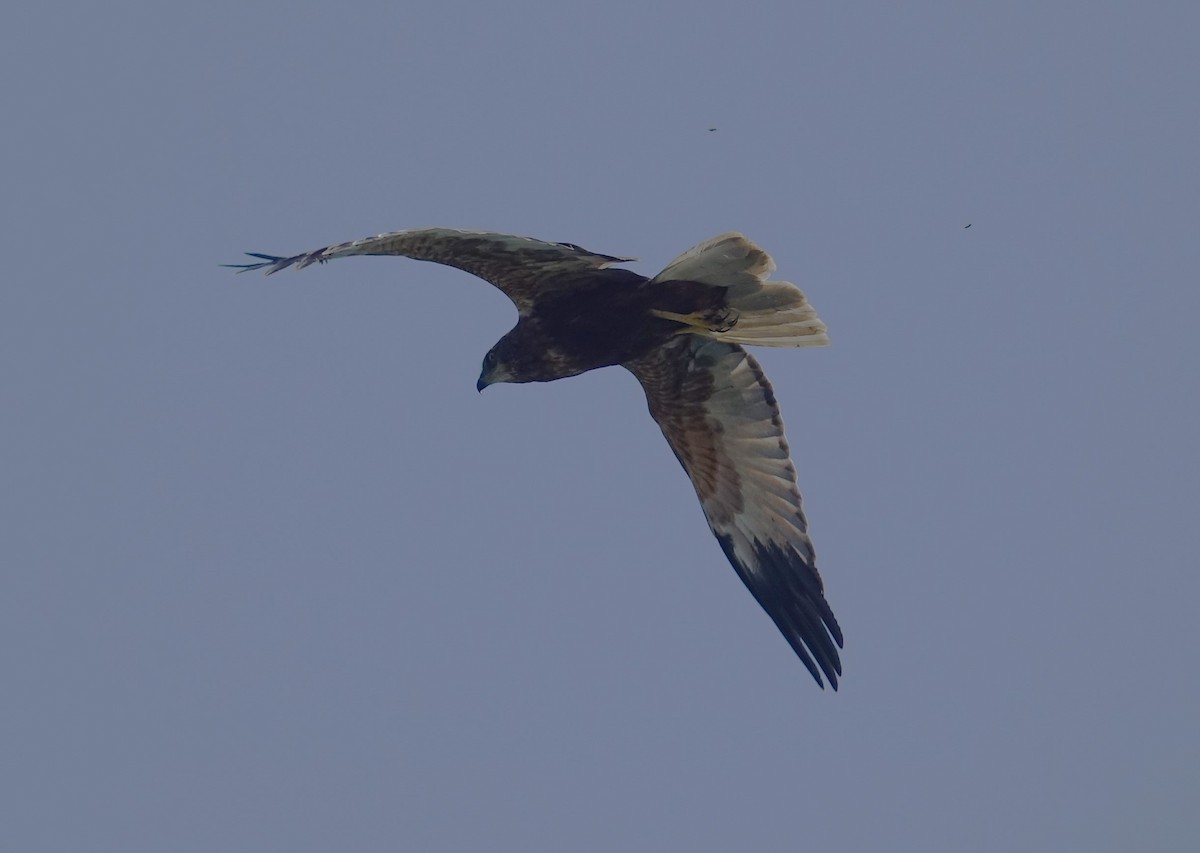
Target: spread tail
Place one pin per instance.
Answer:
(759, 312)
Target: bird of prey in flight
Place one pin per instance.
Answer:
(681, 334)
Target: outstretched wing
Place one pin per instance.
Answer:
(519, 266)
(718, 412)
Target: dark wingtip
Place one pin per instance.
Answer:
(275, 262)
(831, 673)
(795, 604)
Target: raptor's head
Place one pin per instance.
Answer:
(494, 370)
(523, 356)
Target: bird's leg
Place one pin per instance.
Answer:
(720, 319)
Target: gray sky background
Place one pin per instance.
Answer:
(276, 578)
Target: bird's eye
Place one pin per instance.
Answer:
(489, 360)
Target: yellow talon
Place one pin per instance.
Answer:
(715, 320)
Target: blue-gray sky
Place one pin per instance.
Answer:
(275, 577)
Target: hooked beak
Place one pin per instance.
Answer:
(481, 384)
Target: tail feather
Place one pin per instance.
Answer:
(768, 313)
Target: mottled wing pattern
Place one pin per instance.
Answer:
(718, 412)
(519, 266)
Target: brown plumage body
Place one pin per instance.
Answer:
(599, 319)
